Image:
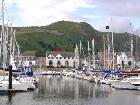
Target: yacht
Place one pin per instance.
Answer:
(29, 81)
(131, 83)
(16, 85)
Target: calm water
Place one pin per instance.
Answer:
(69, 91)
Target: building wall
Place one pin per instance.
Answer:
(121, 58)
(26, 60)
(63, 60)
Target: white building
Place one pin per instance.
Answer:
(61, 59)
(125, 60)
(27, 58)
(122, 58)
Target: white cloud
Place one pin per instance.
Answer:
(122, 11)
(91, 17)
(43, 12)
(120, 7)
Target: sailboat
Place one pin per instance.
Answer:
(17, 85)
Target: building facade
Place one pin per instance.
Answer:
(62, 59)
(27, 58)
(124, 60)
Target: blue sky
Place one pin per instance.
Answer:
(98, 13)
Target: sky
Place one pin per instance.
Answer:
(120, 15)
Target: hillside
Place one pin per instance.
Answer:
(65, 34)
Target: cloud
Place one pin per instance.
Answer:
(120, 7)
(95, 12)
(122, 12)
(90, 17)
(43, 12)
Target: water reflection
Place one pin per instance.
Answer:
(65, 87)
(8, 97)
(57, 90)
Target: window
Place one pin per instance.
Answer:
(66, 64)
(50, 63)
(58, 64)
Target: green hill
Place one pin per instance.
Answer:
(65, 35)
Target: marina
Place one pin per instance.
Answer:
(67, 62)
(60, 90)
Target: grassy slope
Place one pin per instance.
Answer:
(65, 35)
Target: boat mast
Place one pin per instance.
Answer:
(113, 50)
(14, 41)
(108, 48)
(104, 51)
(3, 38)
(93, 52)
(112, 45)
(76, 56)
(108, 51)
(11, 39)
(46, 57)
(1, 45)
(15, 45)
(80, 47)
(2, 11)
(88, 56)
(131, 52)
(136, 45)
(80, 64)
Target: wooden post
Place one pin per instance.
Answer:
(10, 77)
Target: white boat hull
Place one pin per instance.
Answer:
(123, 85)
(16, 86)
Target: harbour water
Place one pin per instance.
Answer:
(57, 90)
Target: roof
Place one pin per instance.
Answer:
(64, 54)
(28, 53)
